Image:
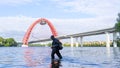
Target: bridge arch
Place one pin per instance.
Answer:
(42, 21)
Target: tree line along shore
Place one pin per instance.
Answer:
(7, 42)
(85, 44)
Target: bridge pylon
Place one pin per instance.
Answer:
(41, 21)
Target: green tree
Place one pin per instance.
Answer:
(1, 41)
(10, 42)
(117, 25)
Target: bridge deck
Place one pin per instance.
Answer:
(97, 32)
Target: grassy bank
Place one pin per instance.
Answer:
(85, 44)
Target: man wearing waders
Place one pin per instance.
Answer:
(55, 48)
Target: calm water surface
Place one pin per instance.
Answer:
(39, 57)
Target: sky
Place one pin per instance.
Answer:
(67, 16)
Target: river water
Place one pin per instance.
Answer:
(39, 57)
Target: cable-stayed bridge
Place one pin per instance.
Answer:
(43, 21)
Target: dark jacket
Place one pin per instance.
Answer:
(55, 43)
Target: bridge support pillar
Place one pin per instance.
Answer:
(115, 39)
(76, 42)
(81, 41)
(107, 39)
(71, 41)
(24, 45)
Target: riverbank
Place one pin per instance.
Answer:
(85, 44)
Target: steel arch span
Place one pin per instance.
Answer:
(42, 21)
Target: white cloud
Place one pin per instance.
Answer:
(71, 26)
(63, 26)
(21, 23)
(93, 7)
(105, 12)
(17, 23)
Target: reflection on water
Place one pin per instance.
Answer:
(39, 57)
(35, 59)
(116, 52)
(108, 52)
(56, 63)
(30, 60)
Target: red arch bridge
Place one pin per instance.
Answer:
(43, 21)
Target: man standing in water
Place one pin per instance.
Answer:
(55, 47)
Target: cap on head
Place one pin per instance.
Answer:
(52, 37)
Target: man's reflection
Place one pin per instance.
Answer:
(56, 63)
